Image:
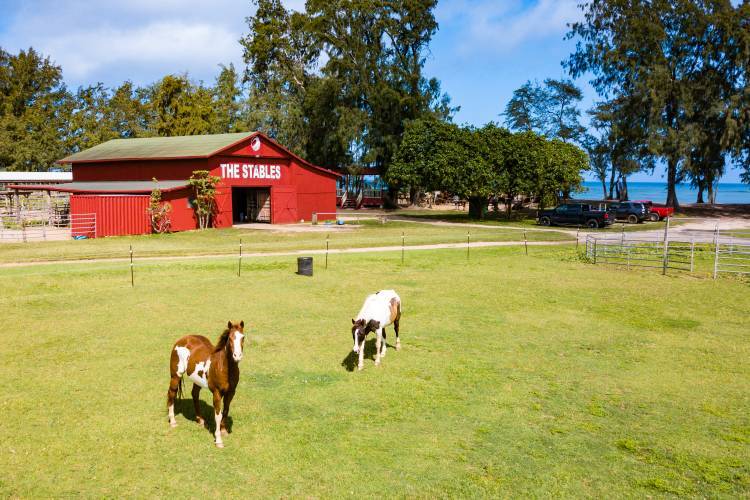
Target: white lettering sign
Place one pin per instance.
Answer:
(249, 171)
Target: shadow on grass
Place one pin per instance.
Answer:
(350, 360)
(185, 408)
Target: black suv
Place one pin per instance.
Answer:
(631, 211)
(575, 214)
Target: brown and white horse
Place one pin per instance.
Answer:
(215, 368)
(380, 309)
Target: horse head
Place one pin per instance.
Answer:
(360, 329)
(236, 340)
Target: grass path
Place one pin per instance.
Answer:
(333, 251)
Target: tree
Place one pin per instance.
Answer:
(228, 103)
(279, 55)
(179, 107)
(436, 155)
(204, 187)
(524, 112)
(654, 52)
(558, 171)
(351, 111)
(91, 121)
(561, 114)
(129, 108)
(35, 107)
(550, 110)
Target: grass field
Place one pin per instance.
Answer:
(519, 376)
(366, 233)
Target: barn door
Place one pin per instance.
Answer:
(283, 204)
(263, 204)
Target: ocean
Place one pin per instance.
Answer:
(657, 192)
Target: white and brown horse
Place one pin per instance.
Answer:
(215, 368)
(379, 310)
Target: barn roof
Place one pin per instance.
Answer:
(159, 147)
(106, 186)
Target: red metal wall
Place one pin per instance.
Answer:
(115, 215)
(298, 191)
(182, 216)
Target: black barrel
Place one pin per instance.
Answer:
(305, 266)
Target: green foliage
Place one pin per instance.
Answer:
(204, 204)
(477, 163)
(35, 108)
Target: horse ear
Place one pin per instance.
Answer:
(353, 322)
(242, 323)
(229, 325)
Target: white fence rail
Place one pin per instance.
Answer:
(62, 227)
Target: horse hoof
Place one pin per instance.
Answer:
(200, 421)
(173, 424)
(360, 367)
(219, 445)
(398, 347)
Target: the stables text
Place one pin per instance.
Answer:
(249, 171)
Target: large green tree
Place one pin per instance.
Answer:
(35, 108)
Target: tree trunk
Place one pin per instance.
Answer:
(414, 196)
(624, 190)
(509, 204)
(612, 184)
(390, 200)
(672, 184)
(477, 207)
(604, 187)
(711, 193)
(701, 187)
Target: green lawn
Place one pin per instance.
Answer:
(366, 233)
(519, 376)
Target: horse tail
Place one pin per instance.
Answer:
(179, 388)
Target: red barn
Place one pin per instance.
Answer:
(261, 181)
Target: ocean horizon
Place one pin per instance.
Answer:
(727, 192)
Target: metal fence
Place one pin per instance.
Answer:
(731, 254)
(728, 252)
(646, 253)
(61, 227)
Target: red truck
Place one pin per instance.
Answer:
(657, 212)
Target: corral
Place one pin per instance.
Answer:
(512, 381)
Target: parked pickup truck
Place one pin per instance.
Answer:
(657, 212)
(575, 214)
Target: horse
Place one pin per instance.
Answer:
(379, 310)
(215, 368)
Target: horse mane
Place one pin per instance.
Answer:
(222, 342)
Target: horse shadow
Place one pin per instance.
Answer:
(185, 408)
(351, 359)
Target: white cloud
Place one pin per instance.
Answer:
(490, 25)
(140, 40)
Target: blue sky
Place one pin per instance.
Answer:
(483, 50)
